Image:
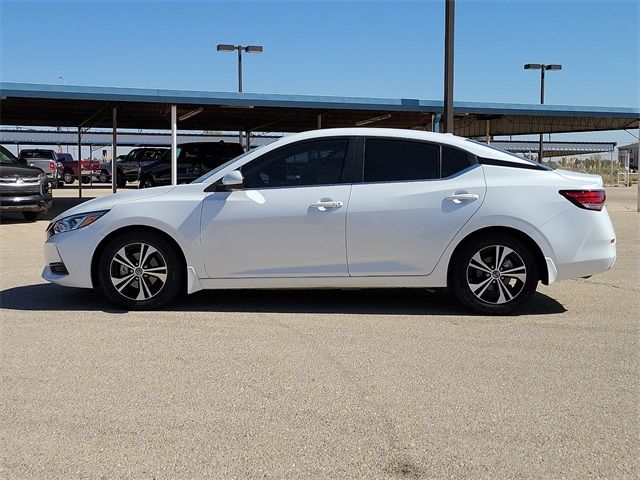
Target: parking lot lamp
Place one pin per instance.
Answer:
(225, 47)
(542, 67)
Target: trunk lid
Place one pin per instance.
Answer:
(584, 178)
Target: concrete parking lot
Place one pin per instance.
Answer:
(318, 384)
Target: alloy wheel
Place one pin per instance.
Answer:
(496, 274)
(138, 271)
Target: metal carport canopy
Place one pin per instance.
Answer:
(72, 106)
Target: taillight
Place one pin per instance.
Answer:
(587, 199)
(52, 165)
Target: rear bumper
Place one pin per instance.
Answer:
(583, 243)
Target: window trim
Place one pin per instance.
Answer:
(346, 177)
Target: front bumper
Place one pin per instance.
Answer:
(33, 203)
(75, 251)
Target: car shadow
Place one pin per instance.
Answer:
(48, 297)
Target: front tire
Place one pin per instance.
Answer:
(104, 176)
(140, 271)
(68, 177)
(146, 182)
(494, 274)
(32, 216)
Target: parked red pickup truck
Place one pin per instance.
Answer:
(90, 168)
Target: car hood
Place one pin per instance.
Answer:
(109, 201)
(580, 177)
(22, 171)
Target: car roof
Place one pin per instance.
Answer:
(476, 148)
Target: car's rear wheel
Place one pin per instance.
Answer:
(140, 271)
(494, 274)
(121, 180)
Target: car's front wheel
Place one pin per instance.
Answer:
(104, 176)
(494, 274)
(68, 177)
(146, 182)
(140, 271)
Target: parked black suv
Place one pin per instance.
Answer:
(129, 166)
(194, 160)
(22, 188)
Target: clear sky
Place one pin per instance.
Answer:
(357, 48)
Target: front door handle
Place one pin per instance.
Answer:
(463, 197)
(322, 206)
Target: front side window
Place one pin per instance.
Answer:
(318, 162)
(6, 157)
(391, 160)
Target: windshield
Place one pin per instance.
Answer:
(6, 157)
(210, 173)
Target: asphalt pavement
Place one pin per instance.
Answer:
(318, 384)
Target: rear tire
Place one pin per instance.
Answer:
(136, 285)
(494, 274)
(121, 180)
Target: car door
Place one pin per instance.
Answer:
(288, 220)
(413, 198)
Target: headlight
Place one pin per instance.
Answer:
(75, 222)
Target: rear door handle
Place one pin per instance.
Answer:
(322, 206)
(463, 197)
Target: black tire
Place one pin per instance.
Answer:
(121, 180)
(495, 293)
(68, 177)
(146, 182)
(32, 216)
(110, 271)
(104, 176)
(60, 184)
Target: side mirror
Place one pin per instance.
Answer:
(233, 179)
(23, 161)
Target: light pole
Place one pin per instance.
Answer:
(225, 47)
(542, 67)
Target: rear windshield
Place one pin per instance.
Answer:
(502, 150)
(48, 154)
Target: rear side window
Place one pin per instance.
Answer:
(454, 161)
(390, 160)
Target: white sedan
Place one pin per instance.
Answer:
(343, 208)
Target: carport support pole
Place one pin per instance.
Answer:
(248, 144)
(114, 148)
(488, 131)
(449, 15)
(174, 145)
(79, 162)
(319, 121)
